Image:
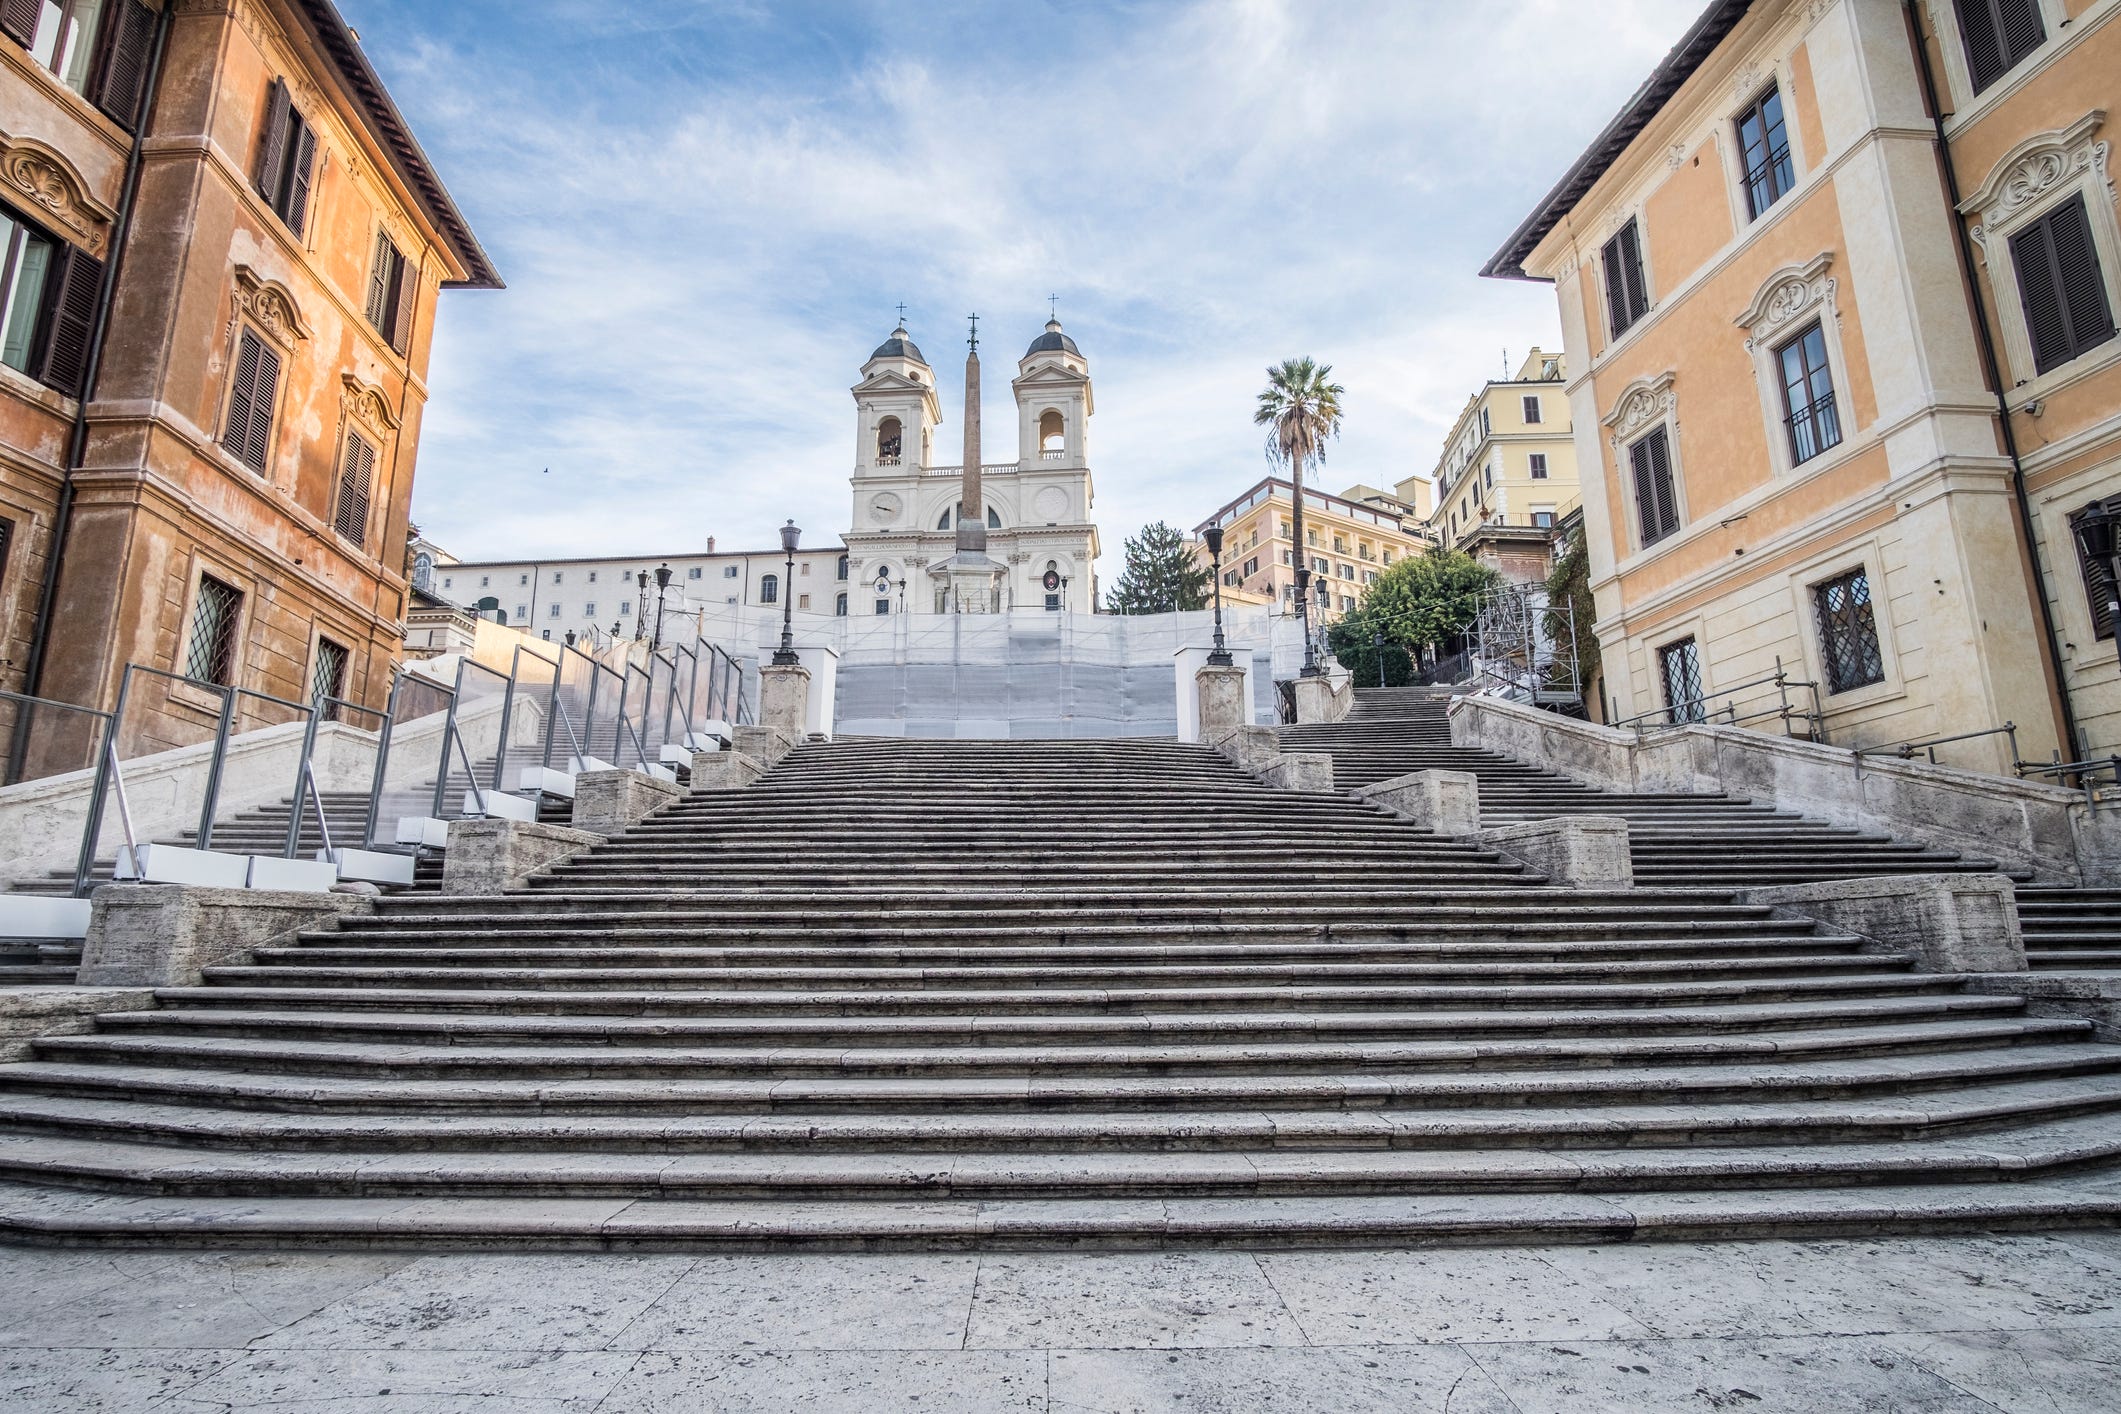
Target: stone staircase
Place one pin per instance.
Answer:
(1698, 839)
(1052, 994)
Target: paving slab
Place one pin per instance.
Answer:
(1454, 1295)
(1408, 1379)
(212, 1300)
(1160, 1301)
(73, 1380)
(2025, 1372)
(408, 1382)
(803, 1302)
(813, 1381)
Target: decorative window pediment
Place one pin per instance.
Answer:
(1641, 403)
(365, 404)
(270, 305)
(2035, 167)
(1791, 295)
(43, 179)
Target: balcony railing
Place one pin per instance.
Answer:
(985, 468)
(1053, 456)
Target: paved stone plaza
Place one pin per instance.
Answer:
(2017, 1323)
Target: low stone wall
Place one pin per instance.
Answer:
(492, 855)
(606, 802)
(163, 935)
(1323, 699)
(1946, 922)
(1258, 750)
(2019, 824)
(29, 1012)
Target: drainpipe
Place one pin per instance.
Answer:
(77, 439)
(1993, 368)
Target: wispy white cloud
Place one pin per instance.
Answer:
(707, 211)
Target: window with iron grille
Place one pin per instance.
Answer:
(1848, 632)
(1539, 466)
(2060, 285)
(1679, 665)
(211, 655)
(253, 393)
(1656, 499)
(327, 676)
(1627, 292)
(7, 547)
(2098, 579)
(1998, 34)
(1809, 412)
(1764, 144)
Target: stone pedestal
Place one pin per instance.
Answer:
(724, 770)
(1301, 770)
(1223, 707)
(29, 1012)
(1319, 700)
(1947, 922)
(1576, 852)
(784, 698)
(1441, 802)
(606, 802)
(164, 935)
(765, 745)
(490, 856)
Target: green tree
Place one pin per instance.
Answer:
(1300, 408)
(1161, 575)
(1417, 603)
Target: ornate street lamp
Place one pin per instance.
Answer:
(902, 594)
(662, 583)
(785, 655)
(2097, 530)
(1219, 656)
(640, 605)
(1377, 641)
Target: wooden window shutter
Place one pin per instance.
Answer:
(1998, 34)
(299, 174)
(19, 19)
(356, 476)
(401, 306)
(2091, 319)
(1645, 490)
(1616, 291)
(2021, 29)
(257, 441)
(124, 80)
(272, 147)
(379, 281)
(1631, 266)
(243, 394)
(1656, 502)
(69, 320)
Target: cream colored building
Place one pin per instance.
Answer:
(1349, 539)
(1507, 467)
(1778, 273)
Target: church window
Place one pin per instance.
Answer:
(890, 436)
(1052, 435)
(839, 606)
(944, 523)
(770, 589)
(883, 606)
(842, 574)
(994, 519)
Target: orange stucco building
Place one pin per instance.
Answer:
(223, 234)
(1837, 293)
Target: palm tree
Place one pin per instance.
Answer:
(1300, 408)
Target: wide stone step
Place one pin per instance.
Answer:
(39, 1213)
(583, 975)
(601, 1138)
(361, 1016)
(467, 1057)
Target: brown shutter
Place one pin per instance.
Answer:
(1645, 490)
(299, 173)
(2091, 319)
(257, 440)
(243, 394)
(1631, 266)
(272, 147)
(1616, 291)
(401, 306)
(69, 319)
(19, 19)
(379, 282)
(124, 80)
(1984, 45)
(2021, 27)
(356, 473)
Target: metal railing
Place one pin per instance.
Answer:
(1927, 746)
(1696, 710)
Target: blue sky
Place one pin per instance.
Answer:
(707, 213)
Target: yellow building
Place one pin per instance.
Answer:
(1508, 465)
(1349, 539)
(1837, 291)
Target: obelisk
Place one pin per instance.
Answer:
(971, 513)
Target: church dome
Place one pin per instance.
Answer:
(1053, 341)
(899, 346)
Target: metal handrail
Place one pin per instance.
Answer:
(306, 791)
(1905, 750)
(1785, 711)
(105, 757)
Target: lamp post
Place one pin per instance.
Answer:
(1377, 641)
(2097, 531)
(640, 606)
(662, 583)
(902, 594)
(1219, 656)
(785, 655)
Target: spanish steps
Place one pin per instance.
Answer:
(1052, 994)
(1691, 839)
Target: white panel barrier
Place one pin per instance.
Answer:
(31, 916)
(499, 806)
(546, 781)
(172, 864)
(423, 830)
(376, 866)
(307, 876)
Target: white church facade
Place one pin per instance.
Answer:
(1037, 509)
(1036, 506)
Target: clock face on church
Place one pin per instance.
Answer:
(884, 508)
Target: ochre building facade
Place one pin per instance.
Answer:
(1837, 294)
(224, 236)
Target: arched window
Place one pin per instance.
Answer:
(423, 571)
(843, 567)
(994, 519)
(770, 589)
(944, 523)
(841, 607)
(888, 440)
(1052, 435)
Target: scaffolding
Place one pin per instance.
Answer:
(1525, 648)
